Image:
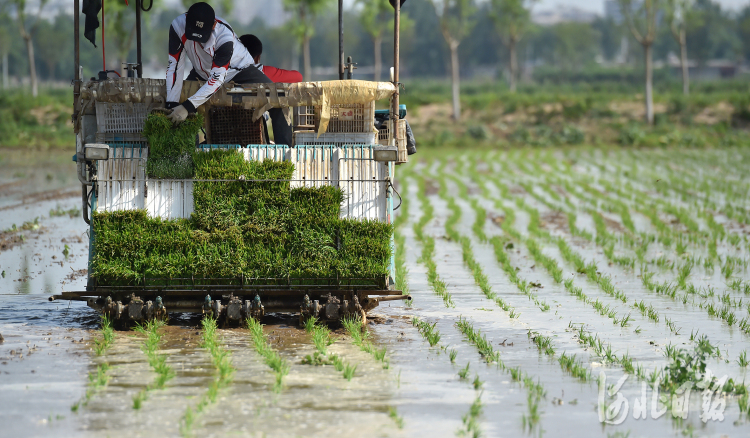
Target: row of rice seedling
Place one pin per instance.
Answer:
(223, 374)
(158, 362)
(683, 274)
(399, 222)
(653, 206)
(322, 338)
(474, 336)
(534, 223)
(427, 330)
(480, 278)
(665, 234)
(553, 268)
(592, 273)
(428, 245)
(639, 242)
(99, 378)
(544, 344)
(665, 288)
(271, 357)
(691, 190)
(535, 389)
(684, 271)
(361, 338)
(480, 341)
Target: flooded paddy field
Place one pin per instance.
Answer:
(555, 292)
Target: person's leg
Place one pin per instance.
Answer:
(282, 132)
(193, 76)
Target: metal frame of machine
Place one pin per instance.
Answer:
(111, 168)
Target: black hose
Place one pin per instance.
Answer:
(400, 201)
(149, 8)
(84, 199)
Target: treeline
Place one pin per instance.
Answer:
(566, 47)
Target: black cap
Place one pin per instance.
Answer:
(200, 22)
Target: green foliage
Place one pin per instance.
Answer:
(171, 147)
(42, 121)
(259, 229)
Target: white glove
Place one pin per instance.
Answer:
(178, 114)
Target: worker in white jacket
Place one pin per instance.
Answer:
(217, 56)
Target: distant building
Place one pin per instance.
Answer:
(712, 69)
(612, 9)
(562, 15)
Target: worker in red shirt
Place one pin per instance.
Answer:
(255, 47)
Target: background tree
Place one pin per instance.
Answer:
(455, 22)
(4, 50)
(120, 26)
(716, 36)
(27, 29)
(303, 25)
(376, 18)
(743, 30)
(641, 20)
(53, 49)
(575, 45)
(681, 16)
(512, 19)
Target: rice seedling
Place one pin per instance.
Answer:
(683, 274)
(742, 360)
(476, 383)
(575, 368)
(97, 381)
(427, 330)
(223, 374)
(452, 355)
(463, 373)
(470, 420)
(428, 247)
(532, 416)
(108, 336)
(480, 341)
(543, 343)
(158, 362)
(270, 356)
(262, 228)
(171, 148)
(516, 374)
(393, 414)
(727, 269)
(361, 338)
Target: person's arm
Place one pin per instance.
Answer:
(222, 57)
(175, 68)
(281, 75)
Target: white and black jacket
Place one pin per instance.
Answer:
(216, 61)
